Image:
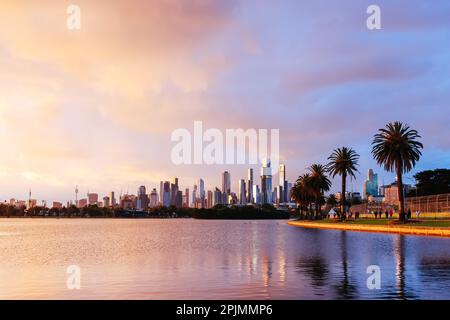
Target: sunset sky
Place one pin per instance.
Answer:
(95, 107)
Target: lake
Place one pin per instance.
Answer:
(214, 259)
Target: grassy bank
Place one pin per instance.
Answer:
(439, 228)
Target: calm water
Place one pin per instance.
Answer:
(193, 259)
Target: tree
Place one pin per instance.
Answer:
(431, 182)
(343, 162)
(302, 192)
(319, 183)
(397, 148)
(332, 201)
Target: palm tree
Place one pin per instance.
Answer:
(319, 182)
(397, 148)
(302, 192)
(332, 201)
(343, 162)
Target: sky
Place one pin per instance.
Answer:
(96, 107)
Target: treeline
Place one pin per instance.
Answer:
(266, 211)
(431, 182)
(93, 211)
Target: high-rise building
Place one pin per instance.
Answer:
(226, 186)
(194, 196)
(242, 192)
(218, 198)
(92, 198)
(210, 200)
(161, 193)
(186, 198)
(153, 198)
(282, 195)
(112, 199)
(257, 194)
(179, 199)
(266, 182)
(166, 194)
(370, 185)
(142, 200)
(250, 198)
(201, 188)
(106, 202)
(173, 192)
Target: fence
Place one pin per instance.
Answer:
(428, 206)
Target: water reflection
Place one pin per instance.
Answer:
(345, 290)
(178, 259)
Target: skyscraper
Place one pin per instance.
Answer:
(282, 195)
(201, 192)
(92, 198)
(161, 192)
(166, 194)
(266, 182)
(242, 193)
(250, 186)
(186, 197)
(218, 198)
(142, 199)
(226, 186)
(153, 198)
(112, 199)
(370, 185)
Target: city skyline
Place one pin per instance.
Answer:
(74, 112)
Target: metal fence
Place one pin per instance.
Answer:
(425, 204)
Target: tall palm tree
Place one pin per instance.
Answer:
(343, 162)
(320, 183)
(396, 148)
(302, 192)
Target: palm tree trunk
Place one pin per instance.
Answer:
(344, 178)
(401, 199)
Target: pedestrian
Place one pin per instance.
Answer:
(391, 213)
(409, 213)
(386, 213)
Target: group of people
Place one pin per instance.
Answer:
(388, 214)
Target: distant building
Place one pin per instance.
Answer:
(282, 195)
(128, 202)
(210, 200)
(82, 203)
(57, 205)
(391, 193)
(370, 185)
(166, 194)
(242, 192)
(112, 199)
(153, 198)
(142, 200)
(92, 198)
(218, 198)
(106, 202)
(226, 186)
(266, 182)
(250, 198)
(186, 198)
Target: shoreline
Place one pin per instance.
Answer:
(396, 229)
